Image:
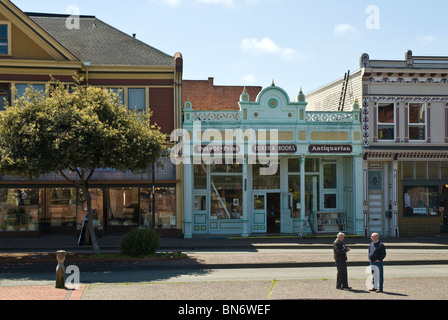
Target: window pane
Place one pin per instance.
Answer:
(200, 177)
(386, 132)
(61, 206)
(420, 170)
(19, 209)
(266, 182)
(227, 197)
(3, 39)
(124, 207)
(417, 132)
(21, 88)
(433, 170)
(118, 91)
(330, 201)
(408, 170)
(137, 99)
(165, 207)
(330, 180)
(416, 113)
(386, 113)
(4, 99)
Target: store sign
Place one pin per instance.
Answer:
(217, 149)
(330, 148)
(275, 148)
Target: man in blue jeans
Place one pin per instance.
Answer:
(377, 253)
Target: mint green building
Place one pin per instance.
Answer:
(272, 167)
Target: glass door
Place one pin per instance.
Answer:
(259, 212)
(286, 213)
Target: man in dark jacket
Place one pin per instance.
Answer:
(377, 253)
(340, 257)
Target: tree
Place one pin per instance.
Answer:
(75, 130)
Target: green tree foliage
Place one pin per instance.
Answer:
(75, 130)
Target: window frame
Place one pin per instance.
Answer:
(424, 125)
(384, 124)
(9, 39)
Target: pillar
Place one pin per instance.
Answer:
(188, 200)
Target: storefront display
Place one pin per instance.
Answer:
(304, 165)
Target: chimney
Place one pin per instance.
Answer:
(134, 35)
(210, 81)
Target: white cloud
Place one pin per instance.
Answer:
(267, 46)
(224, 3)
(426, 40)
(169, 3)
(249, 79)
(345, 31)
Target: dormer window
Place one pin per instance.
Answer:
(5, 38)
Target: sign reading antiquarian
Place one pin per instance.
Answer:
(324, 148)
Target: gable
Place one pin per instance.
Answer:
(27, 40)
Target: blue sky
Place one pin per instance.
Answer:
(299, 44)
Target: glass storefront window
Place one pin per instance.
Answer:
(330, 176)
(165, 207)
(19, 209)
(61, 206)
(123, 207)
(421, 201)
(261, 182)
(200, 177)
(227, 197)
(97, 208)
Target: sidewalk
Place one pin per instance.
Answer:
(55, 242)
(216, 255)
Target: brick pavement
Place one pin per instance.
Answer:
(40, 293)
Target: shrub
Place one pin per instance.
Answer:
(140, 242)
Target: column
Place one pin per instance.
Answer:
(247, 201)
(395, 197)
(358, 197)
(188, 200)
(365, 191)
(302, 190)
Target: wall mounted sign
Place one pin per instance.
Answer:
(323, 148)
(275, 148)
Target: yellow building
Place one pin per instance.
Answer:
(35, 47)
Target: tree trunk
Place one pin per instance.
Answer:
(88, 197)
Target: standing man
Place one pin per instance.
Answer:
(377, 253)
(340, 257)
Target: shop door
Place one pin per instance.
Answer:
(286, 213)
(375, 217)
(259, 212)
(376, 202)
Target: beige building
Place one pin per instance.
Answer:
(405, 140)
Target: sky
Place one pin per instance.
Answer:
(296, 43)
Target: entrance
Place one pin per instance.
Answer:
(273, 213)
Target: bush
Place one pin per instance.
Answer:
(140, 242)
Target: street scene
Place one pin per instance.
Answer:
(224, 158)
(244, 269)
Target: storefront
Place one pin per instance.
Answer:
(272, 167)
(119, 200)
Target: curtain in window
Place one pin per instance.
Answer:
(137, 99)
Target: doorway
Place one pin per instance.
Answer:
(273, 213)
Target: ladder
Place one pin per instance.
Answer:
(302, 230)
(344, 91)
